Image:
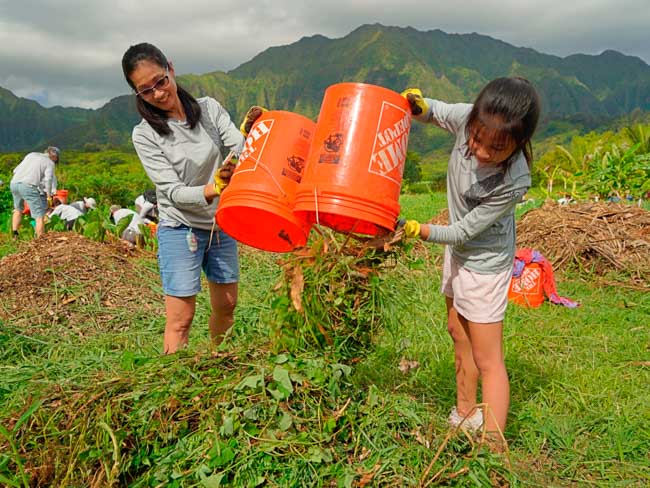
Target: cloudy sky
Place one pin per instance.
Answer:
(68, 52)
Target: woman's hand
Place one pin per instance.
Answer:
(251, 116)
(221, 180)
(416, 101)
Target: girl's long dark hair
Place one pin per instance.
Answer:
(516, 105)
(156, 117)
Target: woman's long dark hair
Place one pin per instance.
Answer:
(516, 105)
(156, 117)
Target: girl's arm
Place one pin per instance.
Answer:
(475, 222)
(448, 116)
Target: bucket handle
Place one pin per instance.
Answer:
(316, 202)
(266, 168)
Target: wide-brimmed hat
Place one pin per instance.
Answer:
(90, 202)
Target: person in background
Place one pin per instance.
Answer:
(132, 233)
(147, 206)
(487, 175)
(34, 182)
(182, 143)
(65, 212)
(85, 204)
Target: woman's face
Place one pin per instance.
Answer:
(155, 85)
(490, 146)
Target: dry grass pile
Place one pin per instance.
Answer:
(596, 237)
(64, 278)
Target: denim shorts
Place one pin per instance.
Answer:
(36, 200)
(180, 267)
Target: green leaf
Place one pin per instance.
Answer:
(281, 358)
(281, 376)
(285, 422)
(228, 426)
(252, 382)
(213, 481)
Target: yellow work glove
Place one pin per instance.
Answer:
(249, 119)
(49, 201)
(416, 101)
(412, 228)
(219, 184)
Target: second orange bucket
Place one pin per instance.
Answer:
(256, 208)
(528, 289)
(354, 170)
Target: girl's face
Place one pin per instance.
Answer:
(490, 146)
(156, 85)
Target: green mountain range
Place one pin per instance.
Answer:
(583, 89)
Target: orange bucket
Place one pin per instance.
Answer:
(62, 195)
(527, 289)
(354, 170)
(256, 207)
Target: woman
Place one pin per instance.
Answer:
(182, 143)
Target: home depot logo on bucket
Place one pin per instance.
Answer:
(389, 148)
(527, 289)
(262, 188)
(256, 140)
(354, 170)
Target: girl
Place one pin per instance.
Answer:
(181, 142)
(488, 174)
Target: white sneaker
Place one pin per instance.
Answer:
(472, 423)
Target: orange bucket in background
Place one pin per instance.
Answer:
(62, 195)
(354, 170)
(256, 208)
(527, 289)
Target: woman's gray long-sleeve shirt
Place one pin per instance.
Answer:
(481, 198)
(182, 163)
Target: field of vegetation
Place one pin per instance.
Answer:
(339, 370)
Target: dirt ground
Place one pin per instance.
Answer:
(66, 279)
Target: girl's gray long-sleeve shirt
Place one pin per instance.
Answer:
(183, 162)
(481, 198)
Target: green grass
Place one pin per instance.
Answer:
(107, 408)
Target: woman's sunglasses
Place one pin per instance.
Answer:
(158, 85)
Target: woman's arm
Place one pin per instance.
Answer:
(230, 135)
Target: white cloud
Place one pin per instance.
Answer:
(68, 52)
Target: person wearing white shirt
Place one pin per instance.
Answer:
(87, 203)
(132, 232)
(146, 206)
(65, 212)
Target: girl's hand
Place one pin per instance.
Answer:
(411, 227)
